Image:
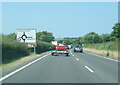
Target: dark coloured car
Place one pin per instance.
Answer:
(78, 48)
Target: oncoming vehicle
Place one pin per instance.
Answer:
(60, 49)
(78, 48)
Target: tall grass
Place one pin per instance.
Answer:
(112, 46)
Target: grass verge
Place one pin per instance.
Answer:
(108, 49)
(107, 53)
(110, 46)
(15, 63)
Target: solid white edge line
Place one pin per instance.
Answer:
(23, 67)
(89, 69)
(72, 53)
(103, 57)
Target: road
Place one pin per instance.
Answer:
(76, 68)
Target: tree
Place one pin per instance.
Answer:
(105, 37)
(68, 42)
(60, 41)
(11, 36)
(116, 31)
(45, 36)
(77, 40)
(92, 37)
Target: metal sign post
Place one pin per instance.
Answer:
(34, 50)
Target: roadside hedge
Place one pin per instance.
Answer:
(12, 50)
(43, 46)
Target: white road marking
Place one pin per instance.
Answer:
(10, 74)
(73, 55)
(89, 69)
(103, 57)
(77, 59)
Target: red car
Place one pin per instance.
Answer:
(60, 49)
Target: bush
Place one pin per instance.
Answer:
(43, 46)
(12, 49)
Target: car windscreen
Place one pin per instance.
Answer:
(78, 46)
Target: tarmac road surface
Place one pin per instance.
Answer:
(76, 68)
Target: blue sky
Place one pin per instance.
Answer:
(63, 19)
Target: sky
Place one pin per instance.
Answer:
(63, 19)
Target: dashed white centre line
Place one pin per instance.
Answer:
(89, 69)
(77, 59)
(71, 53)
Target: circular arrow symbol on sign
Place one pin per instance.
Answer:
(24, 37)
